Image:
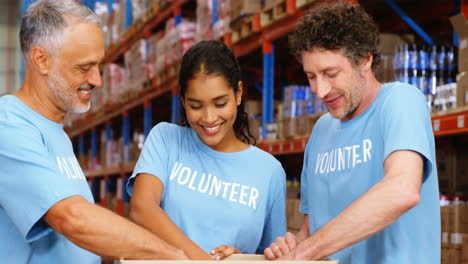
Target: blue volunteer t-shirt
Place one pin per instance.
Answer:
(343, 160)
(216, 198)
(37, 169)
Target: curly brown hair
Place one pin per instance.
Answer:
(337, 26)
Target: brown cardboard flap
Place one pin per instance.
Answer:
(460, 25)
(233, 259)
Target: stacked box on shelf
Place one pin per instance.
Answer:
(137, 145)
(139, 8)
(300, 106)
(204, 20)
(240, 8)
(102, 11)
(460, 25)
(388, 44)
(112, 154)
(253, 108)
(156, 51)
(113, 83)
(221, 26)
(136, 66)
(425, 67)
(118, 21)
(205, 28)
(445, 97)
(454, 215)
(445, 222)
(126, 151)
(179, 38)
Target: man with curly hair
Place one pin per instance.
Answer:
(369, 188)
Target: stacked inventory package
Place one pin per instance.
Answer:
(461, 27)
(204, 19)
(113, 82)
(139, 8)
(300, 110)
(221, 26)
(135, 64)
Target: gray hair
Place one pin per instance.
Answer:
(46, 20)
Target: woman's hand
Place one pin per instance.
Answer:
(281, 247)
(223, 252)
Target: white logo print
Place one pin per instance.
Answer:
(212, 186)
(70, 167)
(343, 158)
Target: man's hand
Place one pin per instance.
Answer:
(281, 247)
(223, 251)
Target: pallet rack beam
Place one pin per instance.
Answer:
(81, 146)
(93, 148)
(268, 85)
(410, 22)
(147, 117)
(261, 38)
(126, 136)
(113, 54)
(450, 124)
(92, 121)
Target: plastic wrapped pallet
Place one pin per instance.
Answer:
(113, 82)
(139, 8)
(221, 26)
(204, 19)
(135, 63)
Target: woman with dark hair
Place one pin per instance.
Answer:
(202, 184)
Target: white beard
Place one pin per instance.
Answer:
(66, 97)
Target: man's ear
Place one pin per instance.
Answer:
(367, 62)
(40, 59)
(239, 93)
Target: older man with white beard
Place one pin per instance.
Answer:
(47, 213)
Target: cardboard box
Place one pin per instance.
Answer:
(244, 8)
(461, 27)
(387, 45)
(454, 255)
(233, 259)
(444, 256)
(444, 212)
(459, 218)
(464, 250)
(269, 3)
(462, 89)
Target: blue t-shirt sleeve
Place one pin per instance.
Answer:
(154, 156)
(304, 206)
(30, 180)
(275, 225)
(406, 124)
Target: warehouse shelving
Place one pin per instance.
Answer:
(263, 38)
(142, 110)
(143, 28)
(92, 120)
(122, 169)
(451, 122)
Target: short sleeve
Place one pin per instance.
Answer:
(154, 156)
(406, 124)
(275, 225)
(30, 179)
(304, 206)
